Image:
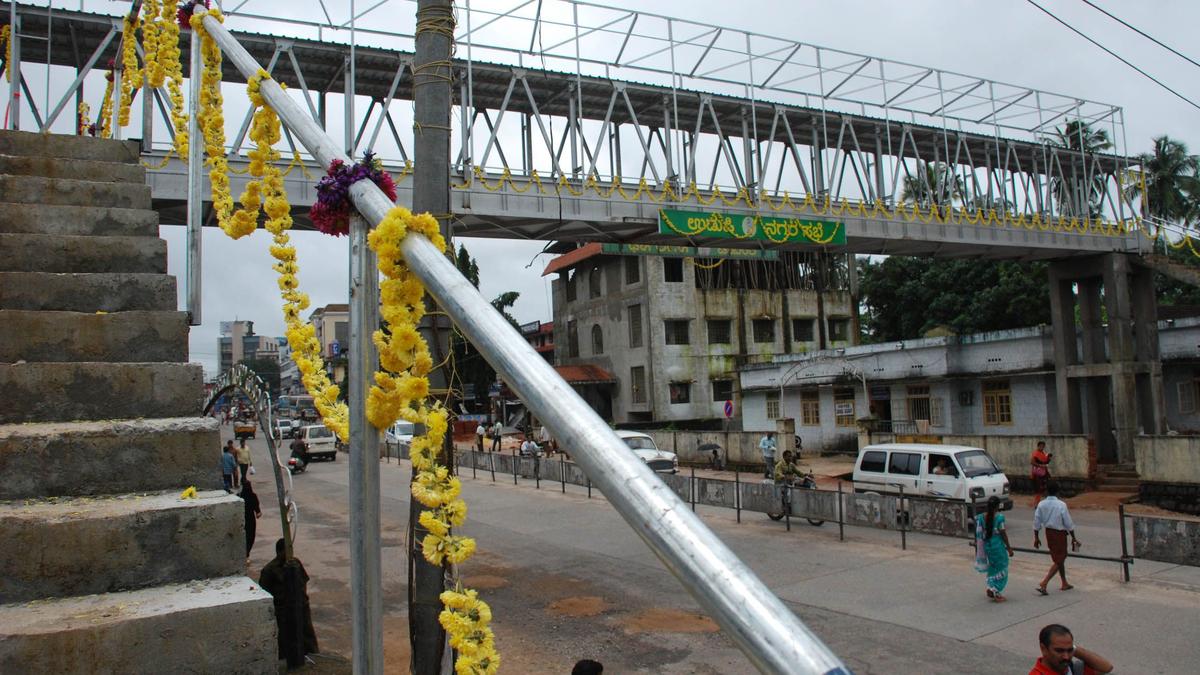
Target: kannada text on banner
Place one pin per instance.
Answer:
(777, 230)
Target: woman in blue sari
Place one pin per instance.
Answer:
(992, 549)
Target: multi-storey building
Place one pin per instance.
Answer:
(332, 323)
(540, 336)
(238, 342)
(664, 334)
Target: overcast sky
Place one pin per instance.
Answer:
(1006, 40)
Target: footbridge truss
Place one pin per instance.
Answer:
(577, 122)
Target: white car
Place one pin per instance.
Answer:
(285, 428)
(318, 441)
(660, 461)
(400, 433)
(954, 472)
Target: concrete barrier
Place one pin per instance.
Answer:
(1172, 540)
(1169, 468)
(1074, 458)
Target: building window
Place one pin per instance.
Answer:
(594, 281)
(905, 464)
(672, 270)
(1187, 397)
(633, 270)
(918, 403)
(843, 407)
(676, 331)
(839, 330)
(936, 419)
(597, 339)
(802, 330)
(635, 325)
(810, 408)
(681, 392)
(637, 384)
(997, 403)
(718, 331)
(722, 390)
(569, 281)
(572, 340)
(764, 330)
(773, 412)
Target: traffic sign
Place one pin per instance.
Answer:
(728, 409)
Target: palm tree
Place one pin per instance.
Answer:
(1069, 190)
(1172, 182)
(935, 184)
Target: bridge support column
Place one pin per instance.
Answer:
(1108, 375)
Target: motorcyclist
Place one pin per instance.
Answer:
(299, 450)
(788, 471)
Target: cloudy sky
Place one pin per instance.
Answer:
(1008, 40)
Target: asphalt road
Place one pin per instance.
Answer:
(567, 579)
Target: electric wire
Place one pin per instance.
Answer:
(1115, 55)
(1135, 29)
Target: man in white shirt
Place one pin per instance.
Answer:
(529, 448)
(1052, 515)
(479, 432)
(767, 446)
(497, 429)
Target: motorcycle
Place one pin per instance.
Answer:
(804, 482)
(298, 462)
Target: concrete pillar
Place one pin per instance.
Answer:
(1123, 381)
(1062, 313)
(1095, 389)
(1150, 390)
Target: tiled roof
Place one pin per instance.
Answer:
(585, 374)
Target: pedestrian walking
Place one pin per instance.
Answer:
(767, 446)
(1061, 656)
(229, 467)
(992, 549)
(273, 580)
(243, 459)
(253, 513)
(1052, 515)
(497, 429)
(479, 433)
(1039, 471)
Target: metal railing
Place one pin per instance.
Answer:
(766, 631)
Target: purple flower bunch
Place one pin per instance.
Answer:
(331, 213)
(184, 14)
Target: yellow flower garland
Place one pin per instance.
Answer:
(104, 124)
(167, 58)
(84, 122)
(6, 47)
(400, 390)
(131, 75)
(151, 27)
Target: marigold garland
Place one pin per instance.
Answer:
(151, 27)
(104, 123)
(172, 71)
(131, 75)
(6, 47)
(84, 120)
(400, 390)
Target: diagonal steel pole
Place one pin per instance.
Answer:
(766, 630)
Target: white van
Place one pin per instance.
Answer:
(318, 441)
(661, 461)
(953, 472)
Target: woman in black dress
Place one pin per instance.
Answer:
(253, 512)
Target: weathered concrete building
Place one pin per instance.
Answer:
(673, 330)
(995, 384)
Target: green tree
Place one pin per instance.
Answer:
(907, 297)
(268, 370)
(1074, 192)
(934, 184)
(1172, 182)
(469, 365)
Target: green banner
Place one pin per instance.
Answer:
(716, 225)
(668, 251)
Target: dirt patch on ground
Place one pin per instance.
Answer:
(580, 605)
(484, 581)
(660, 620)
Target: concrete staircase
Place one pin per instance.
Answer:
(1117, 478)
(103, 567)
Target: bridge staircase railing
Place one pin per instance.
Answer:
(767, 631)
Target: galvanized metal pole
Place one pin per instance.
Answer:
(195, 186)
(14, 67)
(766, 630)
(366, 587)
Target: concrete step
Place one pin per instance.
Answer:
(32, 144)
(61, 547)
(87, 292)
(76, 220)
(39, 190)
(78, 253)
(28, 335)
(108, 457)
(77, 169)
(223, 625)
(66, 392)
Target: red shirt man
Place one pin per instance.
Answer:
(1060, 655)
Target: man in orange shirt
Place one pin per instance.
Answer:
(1061, 656)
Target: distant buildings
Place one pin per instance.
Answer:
(237, 342)
(541, 337)
(660, 336)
